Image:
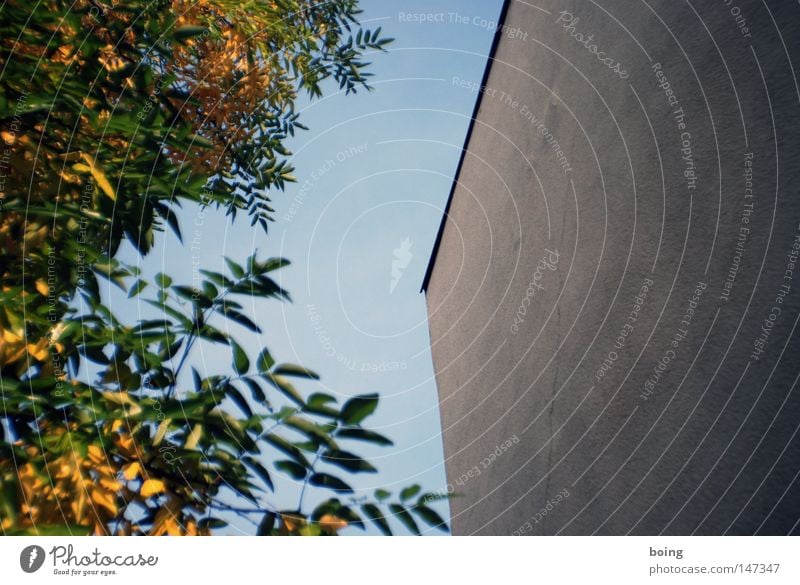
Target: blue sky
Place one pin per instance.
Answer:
(374, 173)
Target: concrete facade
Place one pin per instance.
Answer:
(613, 298)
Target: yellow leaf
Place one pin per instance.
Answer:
(152, 487)
(10, 337)
(173, 528)
(293, 522)
(131, 470)
(110, 484)
(96, 454)
(194, 436)
(332, 523)
(40, 350)
(122, 397)
(166, 520)
(99, 177)
(42, 288)
(161, 431)
(105, 500)
(125, 443)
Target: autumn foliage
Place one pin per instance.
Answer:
(113, 115)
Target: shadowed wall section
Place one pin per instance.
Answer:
(614, 295)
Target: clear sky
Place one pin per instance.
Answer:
(374, 173)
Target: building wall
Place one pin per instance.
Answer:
(596, 373)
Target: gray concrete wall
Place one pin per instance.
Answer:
(596, 373)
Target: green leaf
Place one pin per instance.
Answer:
(435, 497)
(198, 384)
(189, 31)
(430, 517)
(296, 371)
(372, 512)
(94, 354)
(162, 280)
(319, 399)
(213, 334)
(169, 214)
(364, 435)
(318, 402)
(357, 409)
(264, 361)
(210, 290)
(348, 461)
(330, 482)
(259, 470)
(286, 447)
(255, 391)
(410, 492)
(294, 470)
(198, 140)
(212, 523)
(402, 514)
(241, 363)
(138, 287)
(270, 265)
(185, 322)
(236, 397)
(266, 525)
(310, 530)
(286, 388)
(217, 278)
(381, 494)
(315, 432)
(241, 319)
(9, 500)
(236, 270)
(192, 294)
(51, 530)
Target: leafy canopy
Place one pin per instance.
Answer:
(114, 114)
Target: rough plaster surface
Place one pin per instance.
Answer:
(712, 447)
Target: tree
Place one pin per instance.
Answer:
(113, 115)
